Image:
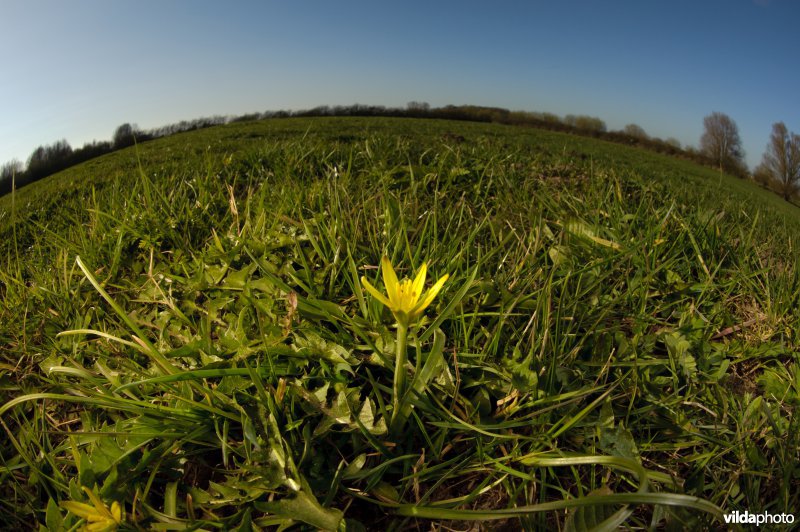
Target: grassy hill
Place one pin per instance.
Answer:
(184, 330)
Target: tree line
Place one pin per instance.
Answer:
(49, 159)
(720, 145)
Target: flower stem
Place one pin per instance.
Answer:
(399, 369)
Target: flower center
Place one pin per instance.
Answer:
(406, 295)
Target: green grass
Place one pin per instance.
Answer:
(184, 328)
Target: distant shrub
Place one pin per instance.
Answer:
(585, 123)
(635, 130)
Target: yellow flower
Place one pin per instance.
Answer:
(99, 517)
(405, 298)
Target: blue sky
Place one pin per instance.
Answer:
(76, 70)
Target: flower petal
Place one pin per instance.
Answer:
(419, 282)
(377, 295)
(390, 280)
(101, 508)
(429, 296)
(116, 511)
(79, 508)
(106, 525)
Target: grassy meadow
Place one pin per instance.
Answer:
(184, 332)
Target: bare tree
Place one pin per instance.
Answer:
(721, 142)
(781, 161)
(10, 174)
(125, 135)
(46, 160)
(10, 170)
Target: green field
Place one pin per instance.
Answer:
(184, 330)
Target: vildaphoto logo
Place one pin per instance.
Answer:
(764, 518)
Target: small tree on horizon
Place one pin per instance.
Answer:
(781, 161)
(721, 142)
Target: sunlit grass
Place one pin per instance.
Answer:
(186, 328)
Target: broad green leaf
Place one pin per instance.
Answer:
(312, 344)
(582, 230)
(386, 492)
(678, 347)
(618, 441)
(559, 255)
(238, 279)
(365, 416)
(340, 409)
(355, 466)
(53, 518)
(606, 419)
(303, 507)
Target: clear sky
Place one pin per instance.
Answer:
(77, 70)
